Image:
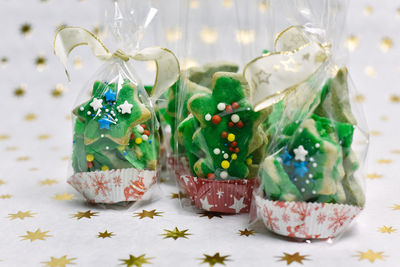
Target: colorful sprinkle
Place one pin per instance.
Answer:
(225, 164)
(234, 144)
(235, 118)
(90, 157)
(235, 105)
(226, 156)
(217, 151)
(146, 132)
(231, 124)
(207, 117)
(224, 174)
(140, 129)
(231, 137)
(221, 106)
(104, 168)
(234, 156)
(249, 161)
(89, 164)
(132, 136)
(216, 119)
(240, 124)
(145, 137)
(210, 176)
(224, 135)
(228, 108)
(138, 140)
(237, 150)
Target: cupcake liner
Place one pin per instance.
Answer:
(304, 219)
(113, 186)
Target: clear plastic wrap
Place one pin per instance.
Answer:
(311, 183)
(116, 140)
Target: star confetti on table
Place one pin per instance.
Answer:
(386, 229)
(373, 176)
(5, 196)
(136, 261)
(175, 234)
(147, 214)
(246, 232)
(105, 234)
(59, 262)
(396, 207)
(216, 258)
(177, 195)
(64, 196)
(384, 161)
(21, 215)
(48, 182)
(296, 257)
(37, 235)
(210, 214)
(370, 255)
(2, 182)
(87, 214)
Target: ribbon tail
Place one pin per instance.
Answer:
(167, 68)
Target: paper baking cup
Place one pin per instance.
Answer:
(305, 220)
(230, 196)
(113, 186)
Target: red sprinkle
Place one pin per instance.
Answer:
(224, 135)
(146, 132)
(240, 124)
(234, 144)
(237, 150)
(132, 136)
(89, 164)
(231, 124)
(231, 149)
(235, 105)
(216, 119)
(228, 108)
(144, 126)
(211, 176)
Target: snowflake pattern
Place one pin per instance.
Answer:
(321, 218)
(271, 221)
(338, 219)
(100, 185)
(117, 181)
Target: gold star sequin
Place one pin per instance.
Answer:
(105, 234)
(263, 6)
(370, 255)
(43, 137)
(87, 214)
(20, 90)
(40, 63)
(296, 257)
(2, 182)
(66, 158)
(373, 176)
(386, 44)
(173, 34)
(64, 197)
(5, 196)
(48, 182)
(68, 117)
(385, 229)
(395, 151)
(58, 90)
(37, 235)
(21, 215)
(23, 158)
(136, 261)
(216, 258)
(359, 98)
(396, 207)
(175, 234)
(147, 214)
(4, 136)
(375, 133)
(368, 10)
(26, 29)
(352, 42)
(59, 262)
(30, 117)
(11, 148)
(395, 99)
(370, 71)
(178, 195)
(4, 61)
(34, 169)
(210, 214)
(208, 35)
(384, 161)
(246, 232)
(245, 37)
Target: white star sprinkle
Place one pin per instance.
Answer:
(300, 153)
(96, 104)
(125, 107)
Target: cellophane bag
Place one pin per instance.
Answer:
(219, 140)
(311, 182)
(116, 141)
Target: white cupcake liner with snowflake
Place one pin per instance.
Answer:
(113, 186)
(305, 220)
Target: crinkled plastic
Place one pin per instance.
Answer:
(311, 183)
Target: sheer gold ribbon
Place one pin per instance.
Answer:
(274, 75)
(68, 38)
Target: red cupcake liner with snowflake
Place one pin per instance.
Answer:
(113, 186)
(305, 220)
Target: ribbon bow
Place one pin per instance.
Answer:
(296, 58)
(167, 64)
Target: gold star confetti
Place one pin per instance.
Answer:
(370, 255)
(385, 229)
(68, 117)
(21, 215)
(66, 158)
(352, 42)
(26, 29)
(368, 10)
(210, 214)
(216, 258)
(178, 195)
(23, 158)
(173, 34)
(43, 137)
(4, 61)
(373, 176)
(40, 63)
(34, 169)
(296, 257)
(2, 182)
(87, 214)
(396, 207)
(384, 161)
(147, 214)
(48, 182)
(105, 234)
(395, 99)
(11, 148)
(359, 98)
(59, 262)
(245, 37)
(386, 44)
(370, 71)
(375, 133)
(37, 235)
(4, 136)
(175, 234)
(246, 232)
(20, 90)
(64, 196)
(208, 35)
(136, 261)
(395, 151)
(58, 90)
(5, 196)
(30, 117)
(263, 6)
